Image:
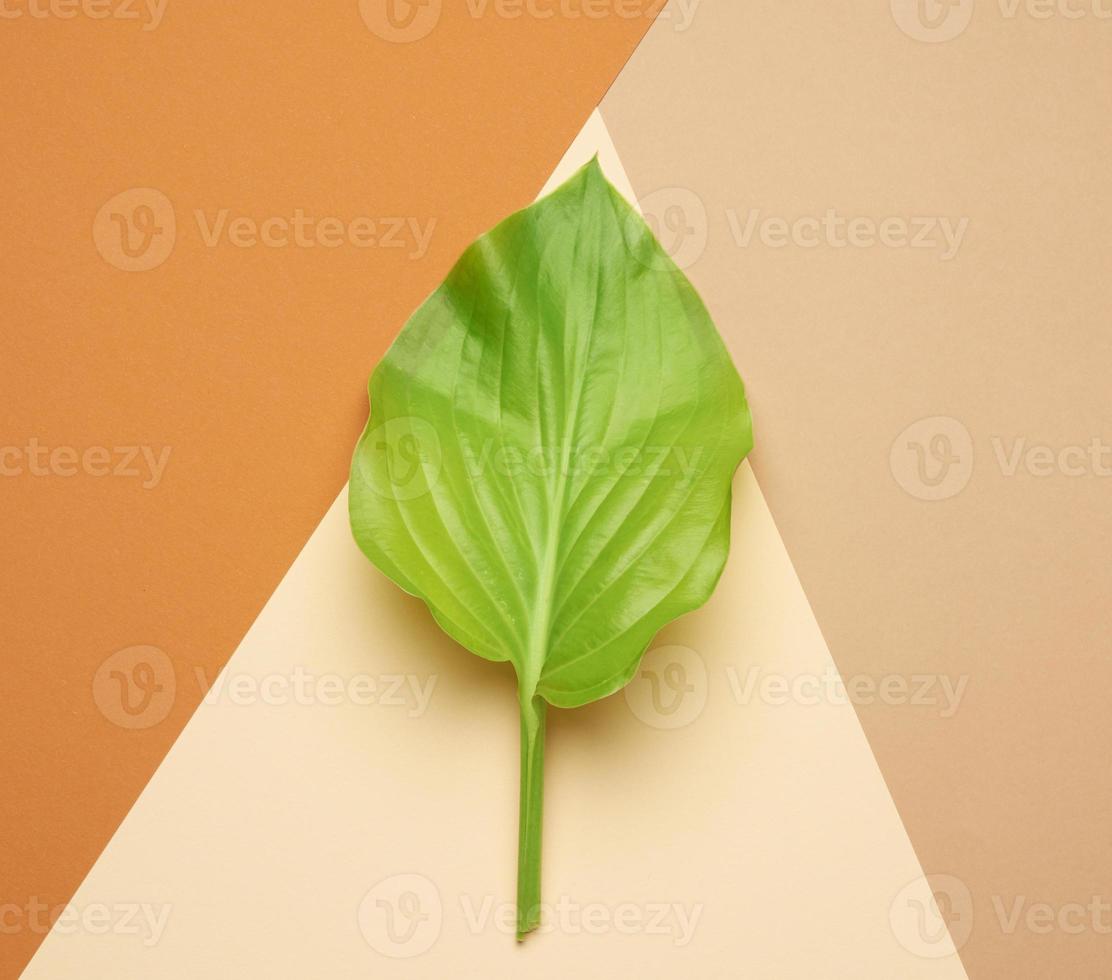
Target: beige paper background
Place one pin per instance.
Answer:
(798, 108)
(267, 825)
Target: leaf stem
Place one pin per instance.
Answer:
(529, 816)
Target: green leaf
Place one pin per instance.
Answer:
(549, 456)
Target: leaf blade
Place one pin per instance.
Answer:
(551, 445)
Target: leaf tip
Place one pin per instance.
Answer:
(592, 170)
